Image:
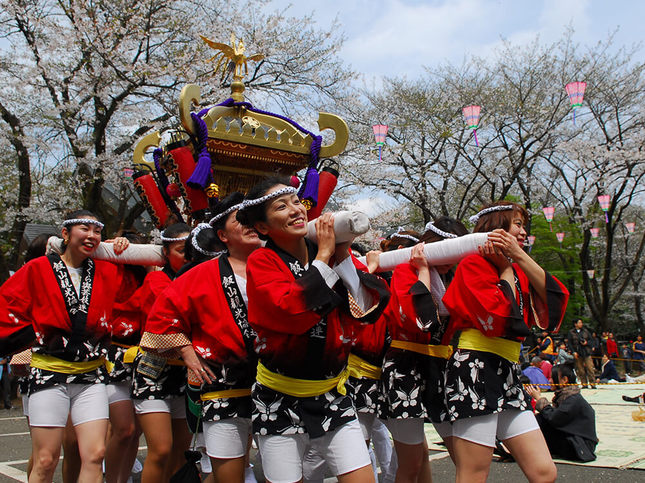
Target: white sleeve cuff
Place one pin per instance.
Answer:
(327, 273)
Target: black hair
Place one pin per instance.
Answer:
(395, 241)
(206, 240)
(138, 271)
(37, 247)
(447, 224)
(230, 200)
(562, 370)
(357, 247)
(173, 231)
(251, 215)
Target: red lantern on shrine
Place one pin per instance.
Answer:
(380, 132)
(549, 211)
(576, 93)
(471, 116)
(605, 201)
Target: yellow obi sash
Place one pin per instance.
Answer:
(131, 354)
(440, 351)
(359, 367)
(54, 364)
(301, 387)
(474, 340)
(225, 393)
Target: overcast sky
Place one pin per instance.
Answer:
(398, 37)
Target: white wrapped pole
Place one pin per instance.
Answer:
(135, 254)
(444, 252)
(347, 226)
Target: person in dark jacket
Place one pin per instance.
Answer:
(609, 372)
(578, 342)
(568, 422)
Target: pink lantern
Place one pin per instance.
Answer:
(560, 237)
(471, 116)
(576, 93)
(548, 214)
(128, 172)
(594, 232)
(531, 241)
(591, 273)
(630, 227)
(380, 132)
(604, 201)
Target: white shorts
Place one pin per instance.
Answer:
(443, 429)
(118, 391)
(505, 425)
(82, 402)
(406, 431)
(366, 420)
(227, 438)
(175, 405)
(25, 405)
(344, 450)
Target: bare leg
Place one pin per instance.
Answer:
(158, 432)
(71, 455)
(410, 458)
(91, 445)
(46, 444)
(425, 475)
(472, 461)
(118, 452)
(448, 440)
(231, 469)
(361, 475)
(532, 454)
(181, 439)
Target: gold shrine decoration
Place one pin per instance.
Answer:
(151, 140)
(235, 54)
(247, 127)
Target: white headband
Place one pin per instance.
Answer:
(196, 246)
(164, 238)
(402, 235)
(258, 201)
(224, 214)
(490, 209)
(444, 234)
(82, 221)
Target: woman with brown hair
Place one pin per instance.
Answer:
(493, 300)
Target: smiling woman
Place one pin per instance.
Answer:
(306, 302)
(61, 307)
(493, 300)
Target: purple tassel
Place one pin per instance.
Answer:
(163, 179)
(476, 141)
(202, 174)
(309, 189)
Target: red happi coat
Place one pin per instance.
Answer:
(412, 312)
(198, 308)
(305, 329)
(33, 310)
(130, 315)
(476, 298)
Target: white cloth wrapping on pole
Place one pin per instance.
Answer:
(135, 254)
(347, 226)
(444, 252)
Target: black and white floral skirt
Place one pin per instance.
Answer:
(121, 371)
(170, 382)
(278, 413)
(480, 383)
(366, 394)
(403, 382)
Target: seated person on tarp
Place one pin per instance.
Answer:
(536, 376)
(568, 422)
(609, 372)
